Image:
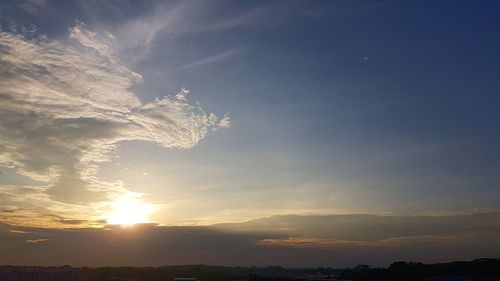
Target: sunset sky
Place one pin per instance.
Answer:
(296, 133)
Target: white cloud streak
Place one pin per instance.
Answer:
(213, 59)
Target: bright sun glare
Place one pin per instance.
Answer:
(129, 210)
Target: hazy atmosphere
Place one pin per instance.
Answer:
(294, 133)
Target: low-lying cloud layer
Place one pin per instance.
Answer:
(335, 240)
(63, 107)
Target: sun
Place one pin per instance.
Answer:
(129, 210)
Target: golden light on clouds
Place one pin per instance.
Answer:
(65, 106)
(129, 210)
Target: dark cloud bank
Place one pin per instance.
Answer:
(335, 240)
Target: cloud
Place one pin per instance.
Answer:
(330, 244)
(35, 241)
(64, 107)
(213, 59)
(453, 237)
(33, 6)
(363, 227)
(136, 36)
(103, 44)
(225, 122)
(17, 231)
(166, 23)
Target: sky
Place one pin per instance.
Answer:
(295, 133)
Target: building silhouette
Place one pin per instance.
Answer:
(32, 273)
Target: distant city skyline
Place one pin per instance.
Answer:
(231, 132)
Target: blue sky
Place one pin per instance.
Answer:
(325, 108)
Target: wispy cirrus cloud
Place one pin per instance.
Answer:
(137, 36)
(214, 58)
(64, 107)
(162, 23)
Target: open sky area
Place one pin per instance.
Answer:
(295, 133)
